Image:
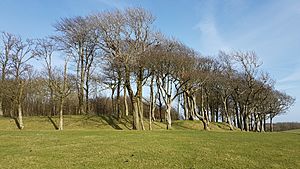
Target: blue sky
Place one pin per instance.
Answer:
(269, 27)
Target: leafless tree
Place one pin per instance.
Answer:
(62, 87)
(78, 39)
(19, 69)
(44, 49)
(7, 46)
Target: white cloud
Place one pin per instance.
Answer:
(293, 77)
(210, 41)
(271, 29)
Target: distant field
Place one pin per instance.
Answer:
(95, 144)
(293, 131)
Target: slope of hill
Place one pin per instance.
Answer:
(101, 122)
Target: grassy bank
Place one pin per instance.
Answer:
(101, 123)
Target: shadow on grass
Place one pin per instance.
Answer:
(159, 126)
(97, 120)
(181, 126)
(125, 123)
(53, 123)
(222, 125)
(112, 122)
(17, 122)
(103, 120)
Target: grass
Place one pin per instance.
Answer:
(101, 122)
(293, 131)
(183, 147)
(148, 149)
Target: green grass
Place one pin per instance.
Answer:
(148, 149)
(93, 142)
(102, 122)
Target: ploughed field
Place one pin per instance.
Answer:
(182, 147)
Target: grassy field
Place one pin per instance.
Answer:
(178, 148)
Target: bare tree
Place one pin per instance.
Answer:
(173, 58)
(248, 63)
(62, 86)
(7, 46)
(125, 36)
(280, 103)
(78, 39)
(20, 67)
(44, 49)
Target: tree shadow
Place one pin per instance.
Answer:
(98, 120)
(182, 126)
(159, 126)
(17, 123)
(124, 123)
(111, 121)
(53, 123)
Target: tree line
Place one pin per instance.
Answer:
(148, 74)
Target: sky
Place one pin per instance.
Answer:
(271, 28)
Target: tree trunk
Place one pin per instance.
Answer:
(271, 124)
(185, 106)
(113, 100)
(237, 115)
(228, 119)
(168, 114)
(246, 122)
(136, 120)
(217, 114)
(205, 125)
(262, 129)
(125, 102)
(150, 120)
(241, 117)
(139, 94)
(160, 107)
(265, 124)
(256, 120)
(207, 110)
(20, 117)
(194, 107)
(154, 106)
(212, 114)
(234, 121)
(80, 77)
(204, 114)
(191, 109)
(1, 108)
(222, 116)
(140, 113)
(87, 92)
(61, 122)
(178, 104)
(133, 99)
(152, 103)
(119, 113)
(19, 105)
(251, 122)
